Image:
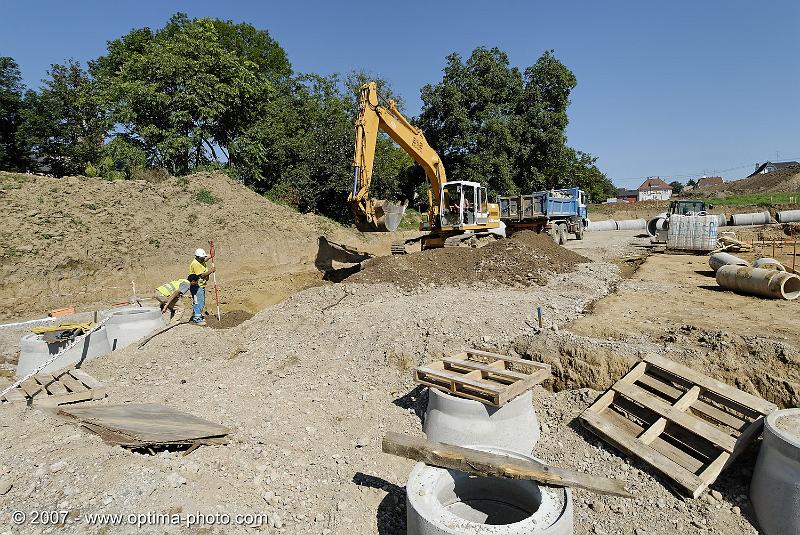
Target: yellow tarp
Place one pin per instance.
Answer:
(63, 327)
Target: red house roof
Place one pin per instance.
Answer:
(654, 183)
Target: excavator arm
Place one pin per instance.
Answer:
(380, 215)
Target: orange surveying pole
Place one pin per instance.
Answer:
(214, 277)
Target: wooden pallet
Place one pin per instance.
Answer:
(684, 424)
(486, 377)
(51, 389)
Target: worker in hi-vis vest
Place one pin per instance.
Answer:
(170, 292)
(198, 267)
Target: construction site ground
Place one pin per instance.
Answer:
(313, 380)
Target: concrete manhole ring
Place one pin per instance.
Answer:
(440, 501)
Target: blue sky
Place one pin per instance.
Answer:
(676, 89)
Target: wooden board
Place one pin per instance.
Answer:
(50, 389)
(686, 425)
(485, 464)
(487, 377)
(140, 425)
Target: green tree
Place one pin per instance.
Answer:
(492, 124)
(64, 122)
(677, 187)
(185, 92)
(13, 156)
(468, 117)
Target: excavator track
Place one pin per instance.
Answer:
(399, 247)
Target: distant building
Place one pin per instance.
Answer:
(768, 167)
(654, 189)
(627, 195)
(709, 181)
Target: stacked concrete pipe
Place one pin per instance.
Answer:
(756, 218)
(717, 260)
(768, 263)
(775, 488)
(762, 282)
(34, 351)
(657, 223)
(129, 324)
(788, 216)
(450, 502)
(459, 421)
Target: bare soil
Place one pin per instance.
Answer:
(87, 242)
(524, 259)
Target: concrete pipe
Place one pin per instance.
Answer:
(717, 260)
(722, 220)
(450, 502)
(631, 224)
(788, 216)
(653, 224)
(762, 282)
(768, 263)
(34, 351)
(775, 487)
(127, 325)
(459, 421)
(608, 224)
(757, 218)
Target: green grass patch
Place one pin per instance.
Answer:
(411, 220)
(206, 197)
(757, 199)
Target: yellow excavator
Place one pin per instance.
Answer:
(457, 210)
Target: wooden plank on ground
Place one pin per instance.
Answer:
(85, 378)
(72, 384)
(486, 464)
(630, 445)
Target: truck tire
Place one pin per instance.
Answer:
(579, 230)
(562, 233)
(554, 232)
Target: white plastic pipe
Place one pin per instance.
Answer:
(762, 282)
(717, 260)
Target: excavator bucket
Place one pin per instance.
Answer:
(386, 216)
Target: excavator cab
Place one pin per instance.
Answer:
(463, 204)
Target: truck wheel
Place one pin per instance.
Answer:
(554, 232)
(562, 233)
(579, 230)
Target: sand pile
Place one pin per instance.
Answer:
(525, 259)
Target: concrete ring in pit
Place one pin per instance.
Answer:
(34, 351)
(129, 324)
(450, 502)
(775, 487)
(458, 421)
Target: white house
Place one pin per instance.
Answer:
(654, 189)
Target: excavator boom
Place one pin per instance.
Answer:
(381, 215)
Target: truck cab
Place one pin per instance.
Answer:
(689, 206)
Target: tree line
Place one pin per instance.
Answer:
(204, 94)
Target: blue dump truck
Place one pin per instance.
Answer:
(557, 211)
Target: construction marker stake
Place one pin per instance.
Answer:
(214, 276)
(539, 314)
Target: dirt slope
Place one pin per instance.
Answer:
(83, 241)
(786, 179)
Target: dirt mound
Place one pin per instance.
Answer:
(785, 179)
(78, 240)
(525, 259)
